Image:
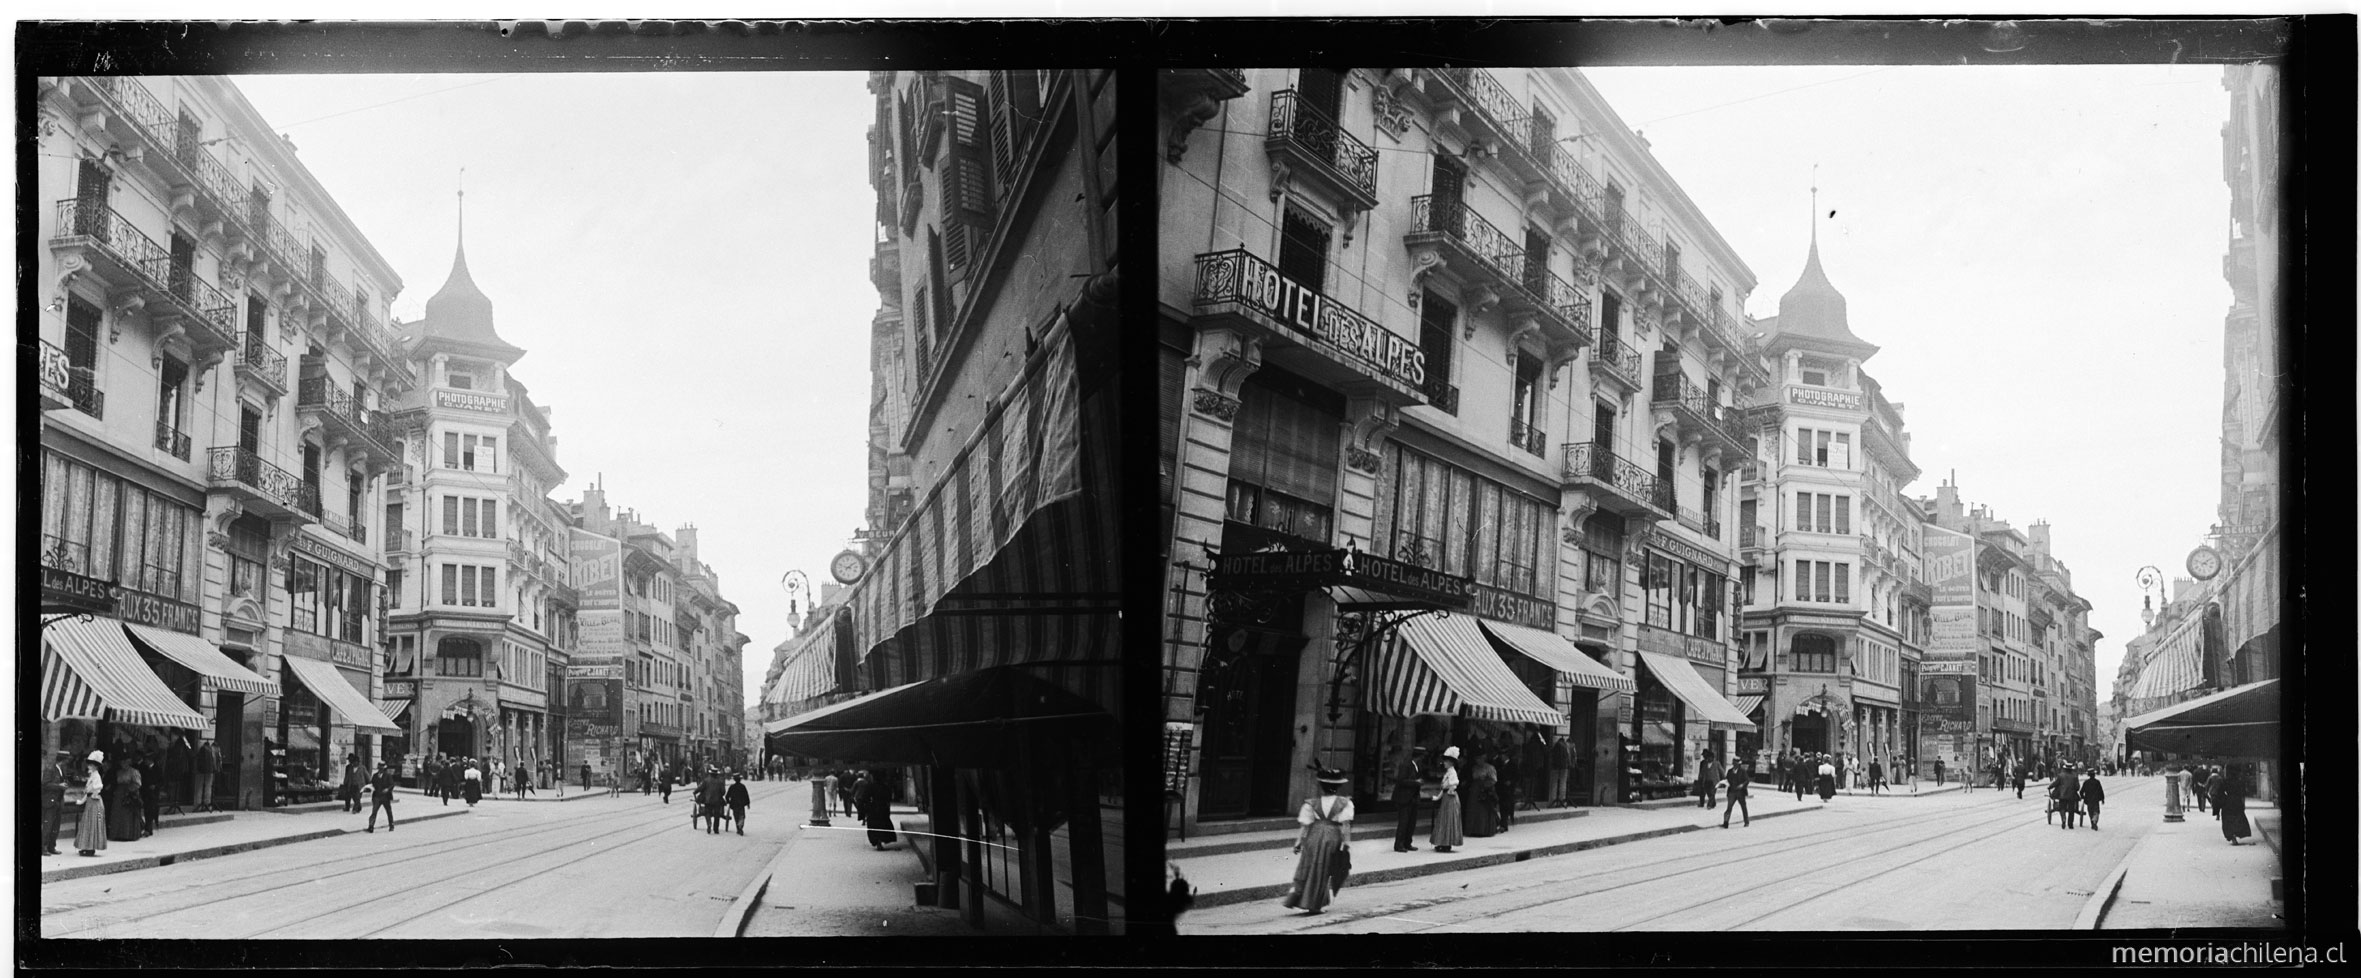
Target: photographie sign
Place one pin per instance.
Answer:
(1823, 397)
(471, 401)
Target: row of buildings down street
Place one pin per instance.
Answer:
(1468, 441)
(280, 528)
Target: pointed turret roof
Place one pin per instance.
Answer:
(1812, 313)
(460, 314)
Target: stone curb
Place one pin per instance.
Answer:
(1381, 827)
(167, 859)
(1274, 890)
(741, 912)
(2094, 910)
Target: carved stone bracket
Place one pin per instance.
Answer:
(1586, 270)
(205, 369)
(1578, 507)
(1363, 459)
(1525, 327)
(221, 510)
(1186, 119)
(1393, 112)
(1367, 422)
(1224, 359)
(1217, 405)
(1282, 176)
(164, 340)
(1424, 260)
(1558, 360)
(68, 266)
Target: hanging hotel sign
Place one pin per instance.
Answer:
(1305, 570)
(471, 401)
(1823, 397)
(64, 590)
(1513, 608)
(148, 609)
(1238, 276)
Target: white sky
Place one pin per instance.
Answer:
(2037, 250)
(684, 257)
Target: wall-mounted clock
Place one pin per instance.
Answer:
(848, 566)
(2204, 563)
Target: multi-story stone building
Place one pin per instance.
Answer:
(1838, 610)
(716, 694)
(213, 362)
(481, 598)
(634, 663)
(984, 608)
(1440, 340)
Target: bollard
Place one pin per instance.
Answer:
(2172, 796)
(820, 800)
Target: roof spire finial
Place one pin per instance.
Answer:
(1815, 206)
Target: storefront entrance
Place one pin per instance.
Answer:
(1248, 689)
(455, 737)
(1810, 732)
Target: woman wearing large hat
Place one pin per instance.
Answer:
(1447, 831)
(1322, 859)
(90, 834)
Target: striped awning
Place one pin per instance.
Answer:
(1012, 556)
(106, 668)
(2177, 666)
(394, 708)
(345, 704)
(1682, 680)
(214, 669)
(1749, 703)
(1553, 650)
(1445, 665)
(64, 696)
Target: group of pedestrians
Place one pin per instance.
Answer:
(2070, 797)
(454, 777)
(2219, 789)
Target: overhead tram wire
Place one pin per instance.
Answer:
(380, 105)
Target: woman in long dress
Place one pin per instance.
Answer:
(1447, 831)
(1827, 780)
(1327, 832)
(124, 807)
(1483, 798)
(876, 804)
(2229, 805)
(90, 834)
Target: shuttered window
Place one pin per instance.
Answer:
(1016, 108)
(1286, 444)
(967, 181)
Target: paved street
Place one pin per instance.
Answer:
(1981, 860)
(596, 867)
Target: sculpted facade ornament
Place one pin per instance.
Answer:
(1393, 112)
(1367, 422)
(1216, 405)
(1364, 459)
(1200, 107)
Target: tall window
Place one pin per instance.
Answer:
(1285, 450)
(1460, 523)
(459, 657)
(1659, 581)
(1525, 411)
(1303, 250)
(1437, 317)
(473, 453)
(249, 551)
(1602, 555)
(172, 393)
(303, 595)
(1610, 323)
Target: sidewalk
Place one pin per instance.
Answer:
(180, 839)
(827, 881)
(2184, 874)
(1244, 866)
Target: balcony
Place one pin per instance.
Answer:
(1309, 332)
(1630, 251)
(1557, 305)
(172, 440)
(401, 541)
(1526, 436)
(1481, 256)
(1441, 396)
(263, 488)
(1749, 537)
(259, 363)
(1613, 364)
(1615, 483)
(1305, 142)
(64, 385)
(1919, 591)
(1477, 103)
(204, 188)
(337, 522)
(1697, 417)
(132, 265)
(346, 423)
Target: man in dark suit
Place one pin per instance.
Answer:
(381, 796)
(1409, 773)
(54, 776)
(208, 761)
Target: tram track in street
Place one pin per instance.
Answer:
(1705, 862)
(274, 883)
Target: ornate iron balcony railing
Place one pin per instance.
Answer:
(1441, 395)
(257, 355)
(1451, 217)
(1561, 297)
(1591, 462)
(1488, 96)
(229, 464)
(1298, 122)
(173, 440)
(1526, 436)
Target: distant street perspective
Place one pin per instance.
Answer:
(1934, 860)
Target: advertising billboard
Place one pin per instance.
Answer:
(597, 569)
(1951, 566)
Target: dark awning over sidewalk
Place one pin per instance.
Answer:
(2242, 721)
(971, 719)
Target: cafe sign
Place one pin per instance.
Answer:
(401, 689)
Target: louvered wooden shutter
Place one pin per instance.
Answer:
(967, 182)
(1016, 107)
